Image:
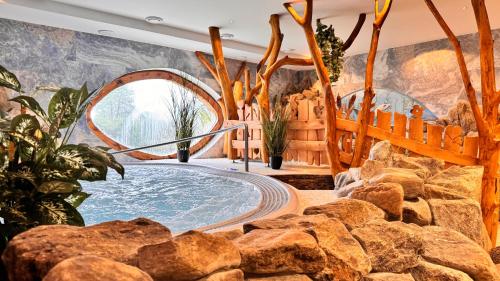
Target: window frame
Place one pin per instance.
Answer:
(168, 75)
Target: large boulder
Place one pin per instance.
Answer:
(230, 275)
(294, 277)
(426, 271)
(463, 181)
(189, 256)
(429, 166)
(31, 254)
(347, 190)
(270, 251)
(386, 196)
(351, 212)
(495, 255)
(441, 192)
(387, 276)
(381, 151)
(344, 178)
(463, 216)
(449, 248)
(417, 212)
(413, 185)
(346, 259)
(392, 246)
(229, 234)
(371, 168)
(92, 268)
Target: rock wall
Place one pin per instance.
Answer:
(48, 56)
(427, 72)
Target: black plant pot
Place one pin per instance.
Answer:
(276, 162)
(183, 156)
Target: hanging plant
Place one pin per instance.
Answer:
(332, 49)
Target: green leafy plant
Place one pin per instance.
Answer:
(331, 48)
(184, 112)
(275, 130)
(39, 169)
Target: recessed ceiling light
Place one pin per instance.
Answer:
(227, 35)
(106, 32)
(154, 19)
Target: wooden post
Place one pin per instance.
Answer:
(305, 22)
(364, 114)
(487, 118)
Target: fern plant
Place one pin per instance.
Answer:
(331, 48)
(39, 169)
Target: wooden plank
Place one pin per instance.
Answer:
(416, 130)
(435, 135)
(312, 135)
(453, 138)
(303, 115)
(400, 121)
(384, 120)
(418, 147)
(241, 144)
(471, 146)
(256, 133)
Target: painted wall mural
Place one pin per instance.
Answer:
(48, 56)
(427, 72)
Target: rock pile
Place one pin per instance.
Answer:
(401, 221)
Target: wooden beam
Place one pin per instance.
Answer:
(331, 112)
(469, 89)
(241, 69)
(201, 57)
(364, 115)
(355, 32)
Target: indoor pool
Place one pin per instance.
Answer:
(180, 198)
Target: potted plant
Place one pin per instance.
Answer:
(275, 134)
(184, 112)
(39, 169)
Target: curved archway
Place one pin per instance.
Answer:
(123, 90)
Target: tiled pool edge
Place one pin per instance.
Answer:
(277, 198)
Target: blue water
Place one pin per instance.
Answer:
(179, 198)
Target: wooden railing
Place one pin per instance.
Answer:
(407, 135)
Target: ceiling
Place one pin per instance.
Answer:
(186, 22)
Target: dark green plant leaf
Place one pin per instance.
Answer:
(95, 170)
(9, 80)
(25, 124)
(59, 187)
(18, 137)
(31, 104)
(63, 107)
(331, 48)
(71, 156)
(23, 178)
(77, 198)
(51, 173)
(56, 211)
(108, 159)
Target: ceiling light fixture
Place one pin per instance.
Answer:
(154, 19)
(106, 32)
(227, 35)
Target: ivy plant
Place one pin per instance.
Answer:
(332, 49)
(39, 170)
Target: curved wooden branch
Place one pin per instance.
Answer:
(331, 140)
(248, 88)
(286, 60)
(238, 75)
(203, 59)
(266, 55)
(304, 20)
(469, 89)
(364, 115)
(355, 32)
(380, 16)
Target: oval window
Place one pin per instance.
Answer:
(133, 111)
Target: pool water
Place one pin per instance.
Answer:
(179, 198)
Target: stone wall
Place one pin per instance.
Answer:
(48, 56)
(427, 72)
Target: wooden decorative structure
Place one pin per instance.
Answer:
(305, 22)
(145, 75)
(364, 114)
(486, 116)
